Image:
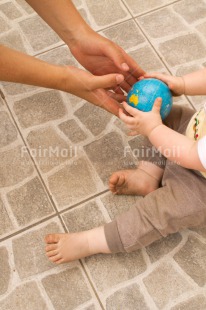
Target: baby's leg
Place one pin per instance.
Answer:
(179, 204)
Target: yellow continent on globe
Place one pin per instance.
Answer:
(134, 99)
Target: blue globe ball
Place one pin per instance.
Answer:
(143, 94)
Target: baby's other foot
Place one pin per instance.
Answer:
(132, 182)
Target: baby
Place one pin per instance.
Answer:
(173, 182)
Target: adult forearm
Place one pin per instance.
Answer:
(176, 147)
(195, 83)
(21, 68)
(62, 17)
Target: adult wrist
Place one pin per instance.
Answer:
(56, 77)
(64, 79)
(76, 35)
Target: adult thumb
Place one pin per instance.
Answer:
(157, 105)
(106, 81)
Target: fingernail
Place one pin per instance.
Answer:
(119, 78)
(125, 66)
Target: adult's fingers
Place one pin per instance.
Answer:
(117, 97)
(125, 86)
(130, 79)
(134, 69)
(114, 52)
(100, 98)
(105, 81)
(118, 90)
(124, 62)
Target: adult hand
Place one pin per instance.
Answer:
(94, 88)
(101, 56)
(95, 53)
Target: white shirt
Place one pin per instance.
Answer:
(196, 130)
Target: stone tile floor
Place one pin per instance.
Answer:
(68, 190)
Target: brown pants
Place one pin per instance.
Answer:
(179, 203)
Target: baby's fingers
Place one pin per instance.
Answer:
(157, 75)
(132, 111)
(125, 118)
(160, 76)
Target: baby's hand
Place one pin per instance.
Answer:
(175, 83)
(141, 122)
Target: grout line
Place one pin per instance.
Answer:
(127, 8)
(117, 24)
(49, 50)
(158, 55)
(150, 11)
(58, 213)
(27, 228)
(111, 26)
(83, 201)
(2, 94)
(143, 33)
(153, 47)
(32, 160)
(91, 284)
(134, 18)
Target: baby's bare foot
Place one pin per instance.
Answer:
(135, 182)
(63, 248)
